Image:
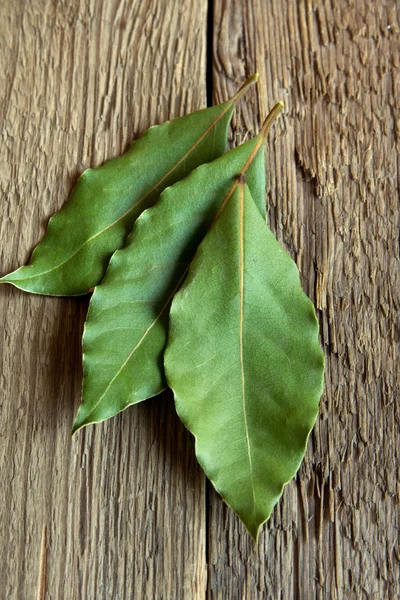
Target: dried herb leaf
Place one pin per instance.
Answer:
(73, 255)
(244, 362)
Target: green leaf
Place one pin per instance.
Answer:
(244, 361)
(73, 255)
(126, 328)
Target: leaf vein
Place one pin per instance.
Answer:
(241, 268)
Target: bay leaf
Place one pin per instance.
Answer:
(73, 255)
(127, 322)
(244, 361)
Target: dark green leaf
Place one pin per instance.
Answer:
(73, 255)
(244, 361)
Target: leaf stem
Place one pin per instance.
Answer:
(243, 89)
(273, 113)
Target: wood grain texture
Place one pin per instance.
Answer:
(123, 502)
(333, 200)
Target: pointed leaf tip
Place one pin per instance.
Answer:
(75, 429)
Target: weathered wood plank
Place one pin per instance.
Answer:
(333, 200)
(123, 502)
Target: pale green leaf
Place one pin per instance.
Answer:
(126, 328)
(244, 361)
(73, 255)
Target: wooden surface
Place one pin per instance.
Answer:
(127, 512)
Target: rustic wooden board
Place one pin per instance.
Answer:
(126, 510)
(333, 201)
(123, 502)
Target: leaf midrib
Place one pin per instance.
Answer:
(241, 321)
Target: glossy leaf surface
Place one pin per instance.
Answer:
(126, 328)
(244, 361)
(73, 255)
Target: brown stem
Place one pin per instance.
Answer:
(243, 89)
